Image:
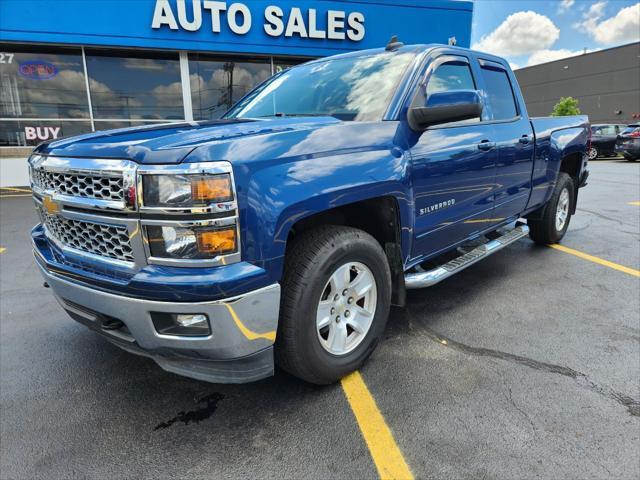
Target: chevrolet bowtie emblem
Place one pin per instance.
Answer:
(50, 205)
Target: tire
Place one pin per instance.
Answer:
(311, 280)
(544, 226)
(630, 158)
(593, 153)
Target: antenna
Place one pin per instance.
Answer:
(393, 44)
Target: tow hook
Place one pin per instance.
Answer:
(112, 324)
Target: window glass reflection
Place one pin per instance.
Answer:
(451, 76)
(349, 88)
(42, 82)
(217, 83)
(135, 86)
(499, 94)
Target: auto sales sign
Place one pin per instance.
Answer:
(275, 21)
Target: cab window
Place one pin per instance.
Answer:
(499, 93)
(451, 76)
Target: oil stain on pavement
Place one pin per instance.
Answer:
(194, 416)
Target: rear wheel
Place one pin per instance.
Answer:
(593, 153)
(550, 224)
(336, 295)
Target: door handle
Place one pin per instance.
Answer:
(524, 139)
(486, 145)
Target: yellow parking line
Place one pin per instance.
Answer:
(2, 249)
(600, 261)
(635, 204)
(382, 446)
(15, 196)
(13, 189)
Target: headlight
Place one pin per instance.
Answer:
(191, 243)
(189, 190)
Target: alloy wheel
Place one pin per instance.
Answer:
(346, 308)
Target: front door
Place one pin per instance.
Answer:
(453, 167)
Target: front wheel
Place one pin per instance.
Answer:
(551, 223)
(336, 295)
(593, 153)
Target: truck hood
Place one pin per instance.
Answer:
(171, 143)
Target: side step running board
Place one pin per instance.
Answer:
(436, 275)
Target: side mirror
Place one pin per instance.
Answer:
(445, 107)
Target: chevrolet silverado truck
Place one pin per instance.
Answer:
(283, 232)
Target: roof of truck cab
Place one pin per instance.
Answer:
(415, 48)
(373, 51)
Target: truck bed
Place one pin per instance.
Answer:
(545, 126)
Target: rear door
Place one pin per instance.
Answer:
(514, 139)
(452, 165)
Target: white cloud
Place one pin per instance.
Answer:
(591, 17)
(521, 33)
(544, 56)
(565, 5)
(623, 27)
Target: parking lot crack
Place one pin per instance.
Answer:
(604, 217)
(522, 412)
(632, 405)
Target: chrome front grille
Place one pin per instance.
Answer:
(100, 187)
(110, 241)
(92, 210)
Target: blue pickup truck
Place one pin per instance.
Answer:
(283, 232)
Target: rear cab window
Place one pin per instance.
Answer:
(499, 91)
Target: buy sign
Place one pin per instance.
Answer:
(41, 133)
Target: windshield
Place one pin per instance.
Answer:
(352, 88)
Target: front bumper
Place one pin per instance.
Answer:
(239, 349)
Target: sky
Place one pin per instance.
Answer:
(530, 32)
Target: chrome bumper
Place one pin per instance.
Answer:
(239, 349)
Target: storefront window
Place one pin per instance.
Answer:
(280, 64)
(29, 133)
(217, 83)
(135, 85)
(43, 89)
(42, 82)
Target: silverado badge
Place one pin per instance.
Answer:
(50, 205)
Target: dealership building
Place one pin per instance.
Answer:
(606, 84)
(69, 67)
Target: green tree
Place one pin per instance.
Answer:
(565, 107)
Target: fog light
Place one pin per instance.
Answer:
(188, 320)
(181, 324)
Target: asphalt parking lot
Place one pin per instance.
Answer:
(526, 365)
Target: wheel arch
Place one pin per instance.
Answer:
(571, 164)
